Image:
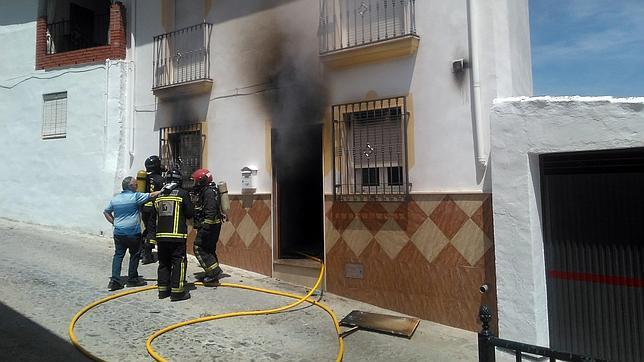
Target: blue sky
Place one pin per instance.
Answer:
(587, 47)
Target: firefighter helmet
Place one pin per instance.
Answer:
(153, 164)
(202, 177)
(174, 176)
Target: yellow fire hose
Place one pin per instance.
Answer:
(157, 357)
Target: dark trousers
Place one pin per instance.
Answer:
(205, 247)
(172, 266)
(121, 245)
(146, 245)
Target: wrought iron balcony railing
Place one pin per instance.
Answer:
(182, 56)
(352, 23)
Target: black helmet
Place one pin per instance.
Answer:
(153, 164)
(174, 176)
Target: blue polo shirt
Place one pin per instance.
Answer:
(125, 206)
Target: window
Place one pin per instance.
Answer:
(182, 147)
(71, 26)
(54, 115)
(370, 150)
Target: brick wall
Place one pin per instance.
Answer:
(114, 50)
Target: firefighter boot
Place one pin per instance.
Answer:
(176, 297)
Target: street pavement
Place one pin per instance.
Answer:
(48, 274)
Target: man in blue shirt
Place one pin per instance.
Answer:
(123, 212)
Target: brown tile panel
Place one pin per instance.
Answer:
(483, 218)
(341, 215)
(447, 289)
(448, 217)
(257, 257)
(409, 216)
(373, 215)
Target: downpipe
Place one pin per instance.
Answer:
(475, 83)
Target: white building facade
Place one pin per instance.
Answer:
(63, 118)
(364, 126)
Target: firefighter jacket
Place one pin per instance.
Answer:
(154, 182)
(207, 206)
(171, 210)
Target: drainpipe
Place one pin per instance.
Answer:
(107, 99)
(475, 83)
(132, 79)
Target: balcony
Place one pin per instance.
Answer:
(364, 31)
(81, 35)
(182, 62)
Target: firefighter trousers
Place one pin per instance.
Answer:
(172, 267)
(205, 248)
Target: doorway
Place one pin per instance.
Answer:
(593, 217)
(298, 193)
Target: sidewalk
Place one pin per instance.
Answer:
(74, 268)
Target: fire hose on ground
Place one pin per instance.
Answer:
(158, 357)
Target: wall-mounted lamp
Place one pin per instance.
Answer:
(459, 65)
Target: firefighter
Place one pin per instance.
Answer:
(154, 182)
(171, 210)
(208, 218)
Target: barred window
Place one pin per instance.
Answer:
(370, 150)
(182, 147)
(54, 115)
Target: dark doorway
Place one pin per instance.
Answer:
(297, 174)
(81, 22)
(593, 228)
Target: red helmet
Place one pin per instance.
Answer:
(202, 177)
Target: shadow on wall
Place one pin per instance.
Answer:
(24, 340)
(19, 12)
(382, 80)
(181, 111)
(227, 10)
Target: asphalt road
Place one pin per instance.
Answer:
(47, 275)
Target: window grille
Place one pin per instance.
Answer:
(182, 147)
(54, 115)
(370, 150)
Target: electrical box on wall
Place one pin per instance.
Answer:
(248, 180)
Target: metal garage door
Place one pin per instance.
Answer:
(593, 226)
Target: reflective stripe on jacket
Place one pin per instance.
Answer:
(171, 210)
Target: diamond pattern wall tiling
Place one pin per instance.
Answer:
(429, 240)
(227, 230)
(426, 256)
(247, 230)
(267, 232)
(331, 235)
(391, 238)
(259, 212)
(448, 217)
(428, 203)
(341, 215)
(236, 213)
(483, 218)
(469, 203)
(247, 238)
(357, 236)
(356, 206)
(373, 216)
(471, 242)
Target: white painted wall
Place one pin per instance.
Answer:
(523, 128)
(443, 144)
(60, 182)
